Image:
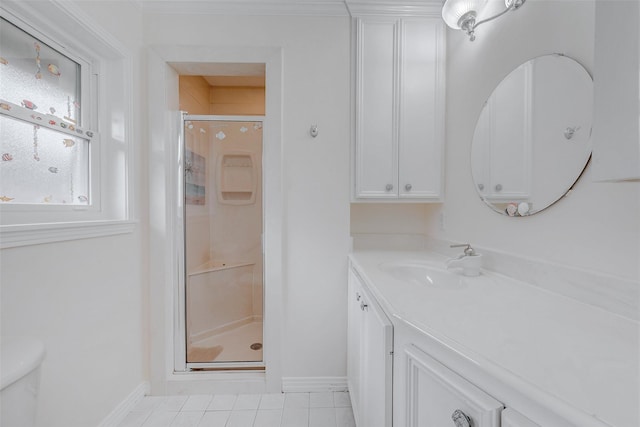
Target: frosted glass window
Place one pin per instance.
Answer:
(42, 165)
(36, 76)
(45, 153)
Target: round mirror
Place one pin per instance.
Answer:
(533, 138)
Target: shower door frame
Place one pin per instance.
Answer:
(181, 331)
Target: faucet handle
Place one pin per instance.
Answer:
(468, 250)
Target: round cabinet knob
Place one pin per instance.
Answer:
(480, 187)
(460, 419)
(363, 306)
(408, 187)
(358, 296)
(389, 187)
(498, 187)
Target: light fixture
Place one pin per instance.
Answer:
(462, 14)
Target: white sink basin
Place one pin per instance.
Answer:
(423, 274)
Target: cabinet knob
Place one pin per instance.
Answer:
(407, 187)
(480, 187)
(358, 296)
(363, 306)
(498, 187)
(389, 187)
(461, 419)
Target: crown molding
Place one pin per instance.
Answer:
(354, 8)
(246, 7)
(425, 8)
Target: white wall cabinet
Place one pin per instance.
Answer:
(399, 135)
(370, 357)
(616, 72)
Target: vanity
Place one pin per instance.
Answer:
(525, 343)
(430, 347)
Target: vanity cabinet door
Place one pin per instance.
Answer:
(354, 337)
(399, 134)
(377, 365)
(438, 397)
(511, 418)
(370, 358)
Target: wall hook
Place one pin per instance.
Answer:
(313, 131)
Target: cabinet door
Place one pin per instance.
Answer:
(376, 137)
(377, 365)
(354, 336)
(421, 115)
(511, 418)
(435, 395)
(369, 357)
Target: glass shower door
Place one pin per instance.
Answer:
(223, 225)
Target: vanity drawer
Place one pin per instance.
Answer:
(438, 397)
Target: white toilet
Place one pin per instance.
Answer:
(20, 360)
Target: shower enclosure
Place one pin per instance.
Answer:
(223, 227)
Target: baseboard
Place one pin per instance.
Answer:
(313, 384)
(115, 417)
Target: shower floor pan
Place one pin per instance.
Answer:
(241, 346)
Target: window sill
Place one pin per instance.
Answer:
(24, 235)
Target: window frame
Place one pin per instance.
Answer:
(106, 109)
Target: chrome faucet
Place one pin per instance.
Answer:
(469, 261)
(468, 250)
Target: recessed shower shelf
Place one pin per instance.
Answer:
(236, 178)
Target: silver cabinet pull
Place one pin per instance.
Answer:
(389, 187)
(363, 306)
(481, 187)
(358, 296)
(408, 187)
(461, 419)
(498, 187)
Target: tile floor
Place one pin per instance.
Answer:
(332, 409)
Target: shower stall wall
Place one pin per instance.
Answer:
(223, 241)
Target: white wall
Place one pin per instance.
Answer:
(391, 218)
(84, 298)
(597, 226)
(316, 171)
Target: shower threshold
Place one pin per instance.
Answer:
(220, 366)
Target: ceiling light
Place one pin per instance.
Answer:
(462, 14)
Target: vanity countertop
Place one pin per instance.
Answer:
(569, 354)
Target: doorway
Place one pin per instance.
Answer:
(167, 346)
(223, 217)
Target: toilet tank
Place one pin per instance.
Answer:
(20, 360)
